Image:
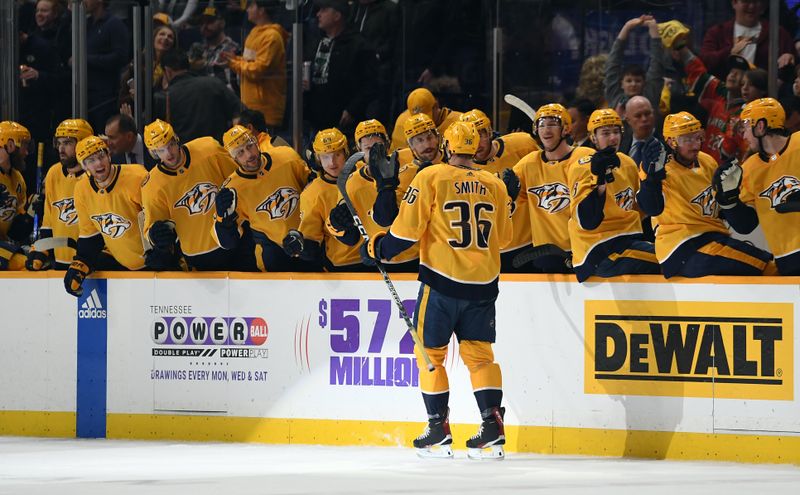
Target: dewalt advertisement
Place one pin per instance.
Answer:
(732, 350)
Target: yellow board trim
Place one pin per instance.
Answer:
(533, 439)
(37, 424)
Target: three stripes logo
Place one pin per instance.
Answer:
(92, 307)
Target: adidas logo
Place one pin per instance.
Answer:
(92, 307)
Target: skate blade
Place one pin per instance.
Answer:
(436, 452)
(494, 453)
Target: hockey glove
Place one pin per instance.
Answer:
(603, 162)
(37, 260)
(73, 280)
(226, 205)
(726, 182)
(365, 258)
(654, 156)
(160, 260)
(7, 251)
(293, 243)
(383, 169)
(511, 181)
(162, 234)
(340, 217)
(374, 246)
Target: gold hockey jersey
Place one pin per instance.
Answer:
(12, 183)
(60, 215)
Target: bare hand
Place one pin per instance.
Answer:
(28, 73)
(346, 119)
(740, 45)
(125, 109)
(425, 77)
(632, 24)
(785, 59)
(652, 27)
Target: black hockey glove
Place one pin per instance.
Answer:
(383, 169)
(603, 162)
(73, 279)
(512, 183)
(293, 243)
(365, 257)
(37, 260)
(226, 204)
(340, 217)
(162, 234)
(654, 156)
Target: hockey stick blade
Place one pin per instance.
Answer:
(520, 105)
(536, 252)
(341, 184)
(49, 243)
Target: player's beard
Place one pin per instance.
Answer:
(69, 162)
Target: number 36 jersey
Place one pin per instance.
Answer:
(461, 219)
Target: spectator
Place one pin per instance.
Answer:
(106, 54)
(262, 66)
(422, 100)
(754, 85)
(342, 72)
(209, 58)
(197, 105)
(124, 143)
(253, 121)
(164, 40)
(633, 81)
(580, 111)
(745, 35)
(590, 83)
(641, 120)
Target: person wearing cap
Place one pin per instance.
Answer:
(262, 65)
(343, 79)
(765, 189)
(605, 227)
(421, 100)
(110, 216)
(206, 56)
(263, 192)
(691, 238)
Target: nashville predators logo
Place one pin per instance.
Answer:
(111, 224)
(66, 211)
(624, 199)
(281, 203)
(552, 197)
(705, 200)
(8, 204)
(778, 191)
(199, 200)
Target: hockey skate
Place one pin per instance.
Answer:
(488, 442)
(435, 441)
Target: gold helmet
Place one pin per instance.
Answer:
(556, 110)
(478, 119)
(158, 134)
(89, 146)
(602, 118)
(329, 141)
(13, 131)
(421, 100)
(765, 108)
(672, 31)
(417, 124)
(680, 124)
(369, 127)
(236, 137)
(77, 129)
(461, 138)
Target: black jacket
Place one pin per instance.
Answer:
(200, 106)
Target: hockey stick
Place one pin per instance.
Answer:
(341, 184)
(39, 166)
(146, 246)
(520, 105)
(49, 243)
(536, 252)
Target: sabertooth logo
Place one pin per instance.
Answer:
(281, 203)
(624, 199)
(8, 208)
(111, 224)
(778, 191)
(705, 200)
(66, 211)
(552, 197)
(199, 200)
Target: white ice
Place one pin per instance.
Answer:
(109, 467)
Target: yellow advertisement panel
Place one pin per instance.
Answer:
(732, 350)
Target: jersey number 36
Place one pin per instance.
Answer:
(469, 220)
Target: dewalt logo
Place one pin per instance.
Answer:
(690, 349)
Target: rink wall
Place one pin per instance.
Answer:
(634, 366)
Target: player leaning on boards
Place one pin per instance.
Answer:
(691, 238)
(764, 190)
(179, 198)
(60, 216)
(313, 241)
(109, 206)
(16, 221)
(605, 227)
(496, 154)
(264, 192)
(460, 216)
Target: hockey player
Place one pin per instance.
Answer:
(424, 140)
(376, 191)
(109, 206)
(264, 192)
(542, 177)
(312, 240)
(764, 190)
(605, 228)
(60, 217)
(496, 154)
(691, 239)
(16, 221)
(179, 197)
(422, 101)
(460, 216)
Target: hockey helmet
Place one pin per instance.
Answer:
(236, 137)
(89, 146)
(601, 118)
(555, 110)
(479, 119)
(417, 124)
(461, 138)
(158, 134)
(15, 132)
(680, 124)
(369, 127)
(765, 108)
(329, 141)
(421, 100)
(77, 129)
